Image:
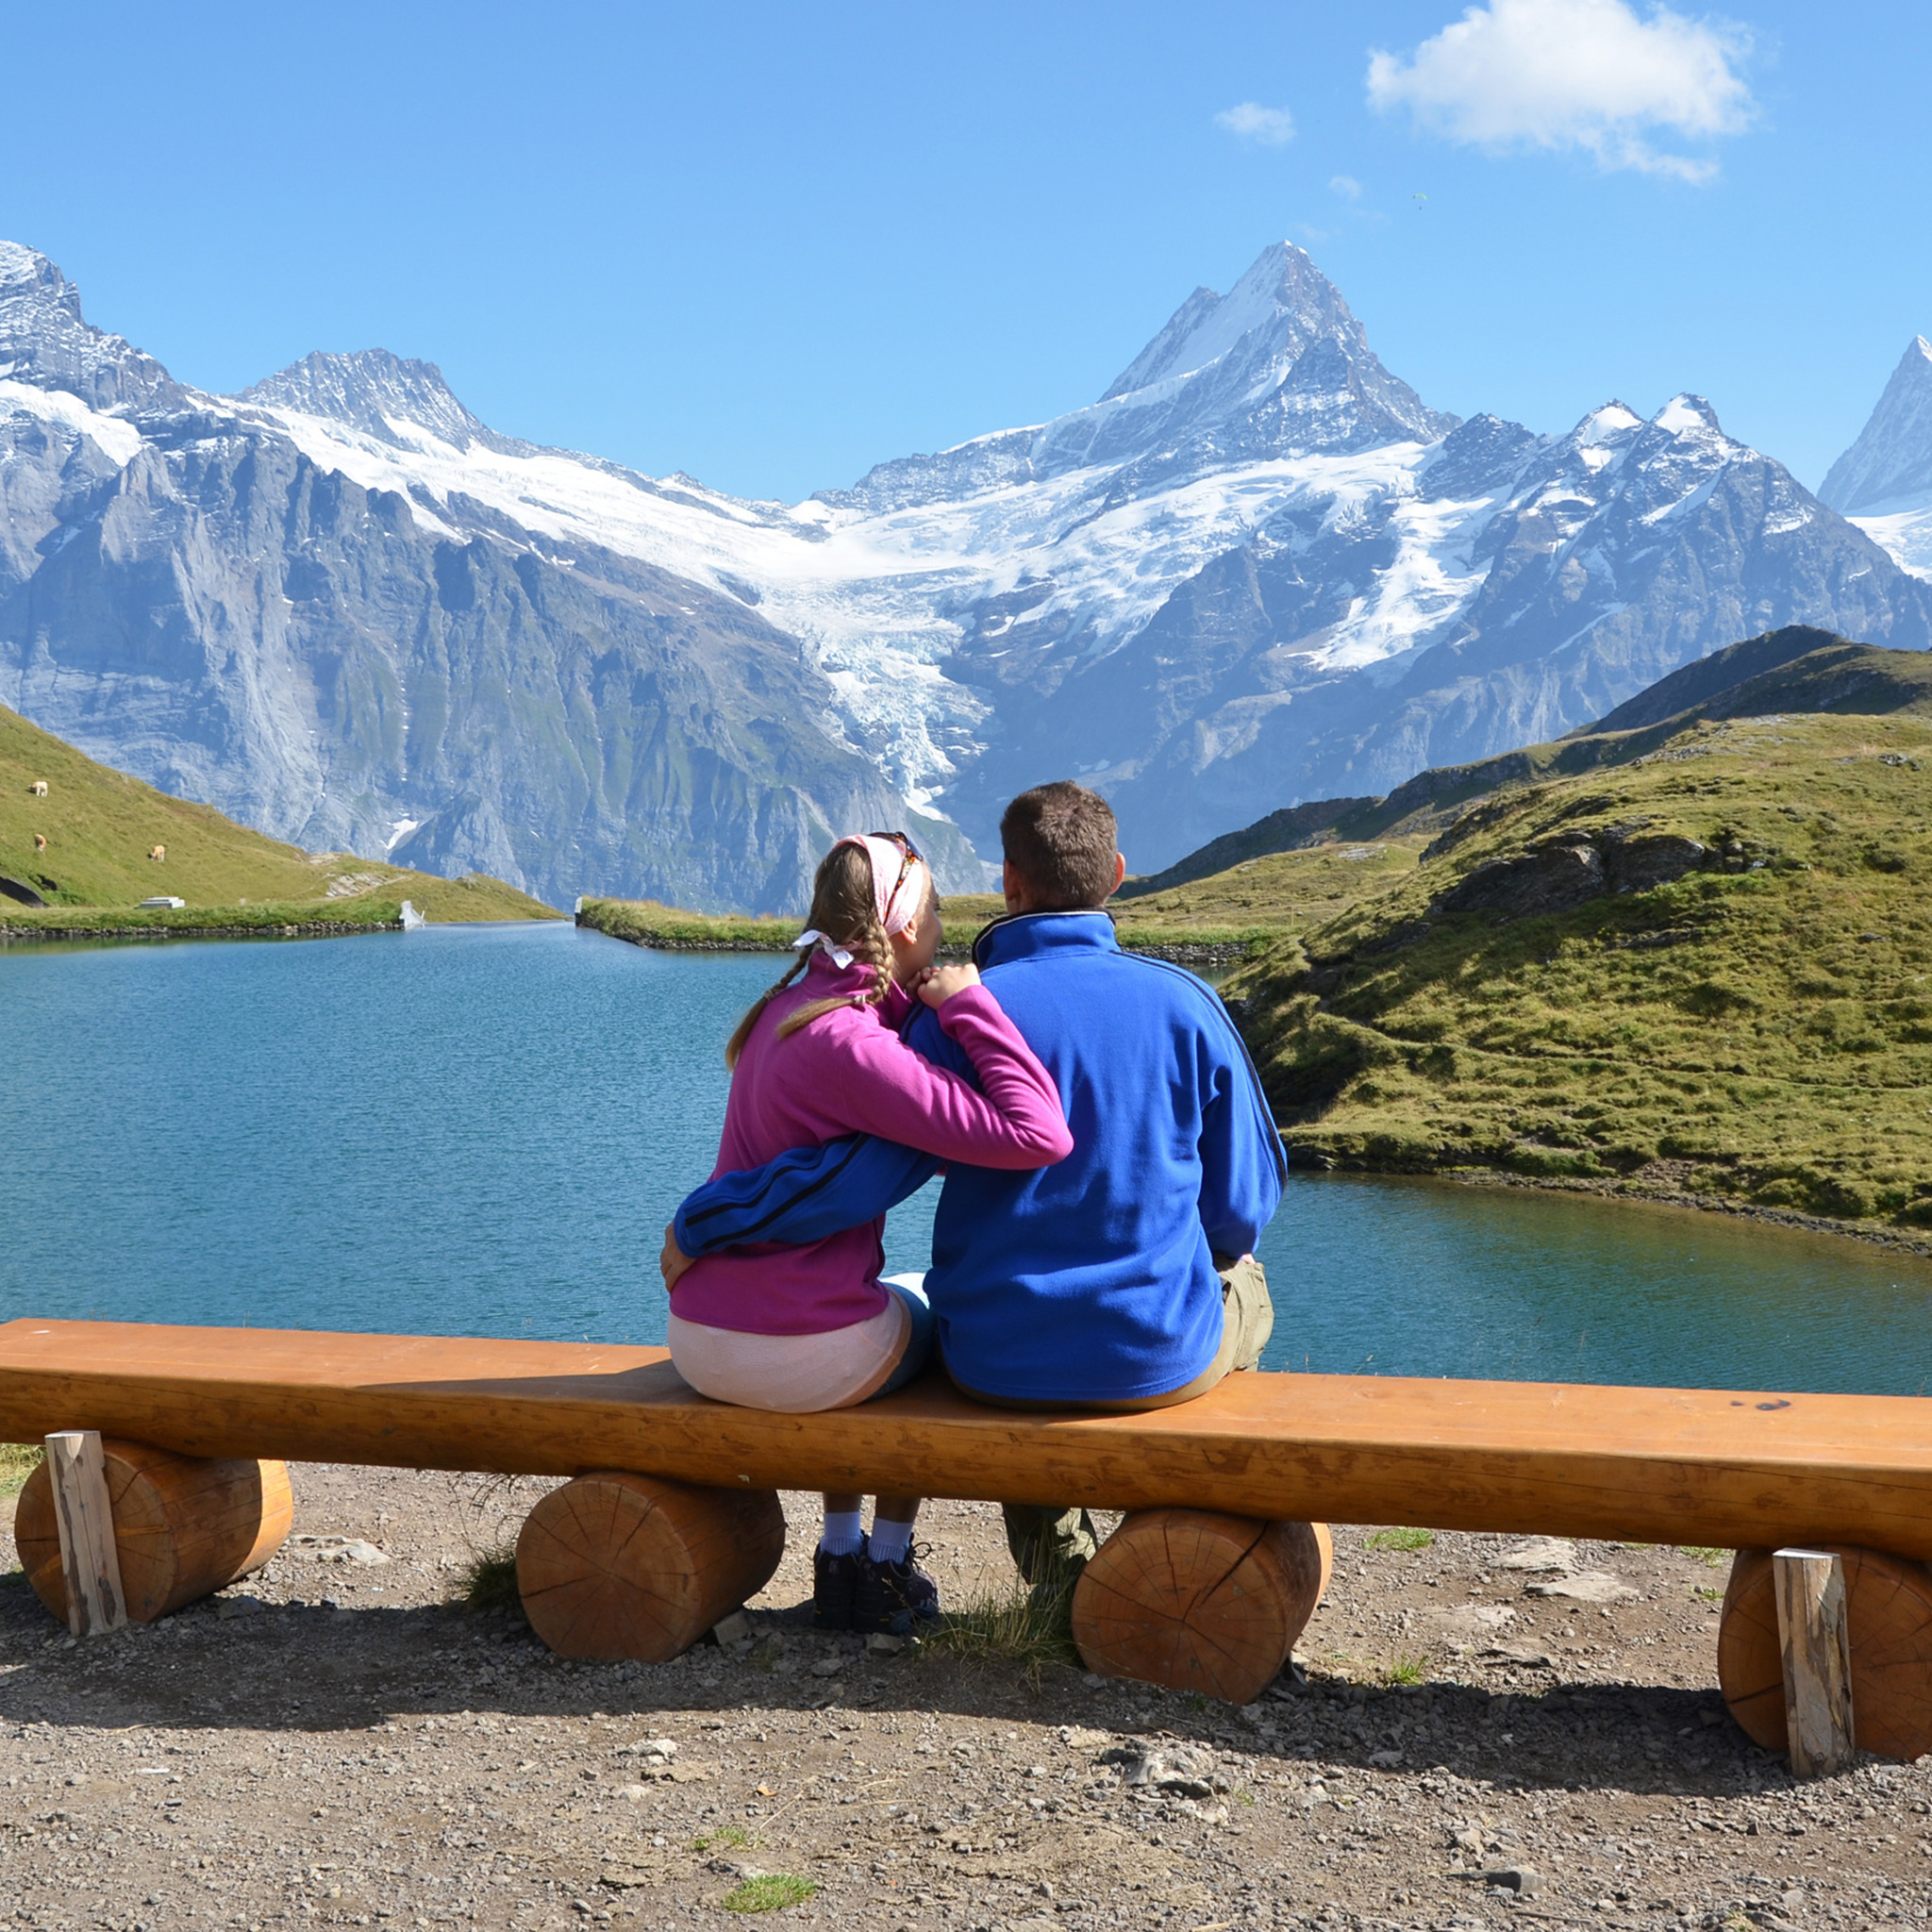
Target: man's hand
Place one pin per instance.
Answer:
(672, 1262)
(937, 984)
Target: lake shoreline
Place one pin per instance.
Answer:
(306, 930)
(1215, 955)
(1652, 1193)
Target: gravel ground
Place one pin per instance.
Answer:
(1464, 1743)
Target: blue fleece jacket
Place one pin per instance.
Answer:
(1091, 1280)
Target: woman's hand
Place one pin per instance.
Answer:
(672, 1262)
(937, 984)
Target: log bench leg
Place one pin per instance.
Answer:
(1889, 1613)
(184, 1525)
(1196, 1600)
(614, 1565)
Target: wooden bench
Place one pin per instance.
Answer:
(672, 1518)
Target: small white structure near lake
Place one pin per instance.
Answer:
(160, 900)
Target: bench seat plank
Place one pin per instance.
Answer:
(1724, 1468)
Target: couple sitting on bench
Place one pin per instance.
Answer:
(1109, 1158)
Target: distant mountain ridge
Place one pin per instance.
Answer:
(1258, 569)
(1798, 669)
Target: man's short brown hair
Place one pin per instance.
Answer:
(1062, 840)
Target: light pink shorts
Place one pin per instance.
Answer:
(796, 1374)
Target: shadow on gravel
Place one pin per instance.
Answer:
(312, 1668)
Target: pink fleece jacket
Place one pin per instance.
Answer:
(848, 1072)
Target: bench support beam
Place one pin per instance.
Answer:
(175, 1527)
(1887, 1626)
(615, 1565)
(1198, 1600)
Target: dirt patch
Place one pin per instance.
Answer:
(1480, 1732)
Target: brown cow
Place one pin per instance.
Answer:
(40, 842)
(160, 852)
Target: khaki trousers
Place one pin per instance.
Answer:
(1051, 1545)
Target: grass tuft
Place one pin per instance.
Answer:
(1406, 1670)
(490, 1583)
(732, 1837)
(1008, 1625)
(768, 1893)
(18, 1461)
(1400, 1540)
(1704, 1552)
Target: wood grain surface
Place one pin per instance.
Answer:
(1889, 1613)
(1198, 1600)
(1721, 1467)
(76, 1475)
(183, 1526)
(1817, 1652)
(615, 1565)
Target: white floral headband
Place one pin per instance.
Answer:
(898, 889)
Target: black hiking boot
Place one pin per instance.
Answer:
(898, 1598)
(835, 1584)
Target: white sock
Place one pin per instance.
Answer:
(890, 1541)
(842, 1535)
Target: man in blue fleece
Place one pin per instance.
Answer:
(1121, 1277)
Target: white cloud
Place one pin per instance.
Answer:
(1266, 127)
(1585, 75)
(1346, 186)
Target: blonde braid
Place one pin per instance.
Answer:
(867, 947)
(874, 950)
(741, 1032)
(843, 908)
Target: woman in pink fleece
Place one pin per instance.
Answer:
(813, 1327)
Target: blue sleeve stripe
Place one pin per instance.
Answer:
(774, 1174)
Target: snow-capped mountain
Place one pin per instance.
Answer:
(186, 594)
(1884, 481)
(1258, 568)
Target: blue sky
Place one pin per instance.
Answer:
(771, 245)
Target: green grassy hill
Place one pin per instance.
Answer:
(100, 824)
(1696, 956)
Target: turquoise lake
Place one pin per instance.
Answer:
(483, 1130)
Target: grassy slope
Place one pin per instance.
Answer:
(99, 825)
(1763, 1035)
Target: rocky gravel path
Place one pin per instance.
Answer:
(1482, 1731)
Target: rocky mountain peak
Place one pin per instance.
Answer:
(27, 276)
(1278, 367)
(396, 400)
(45, 340)
(1892, 459)
(1281, 306)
